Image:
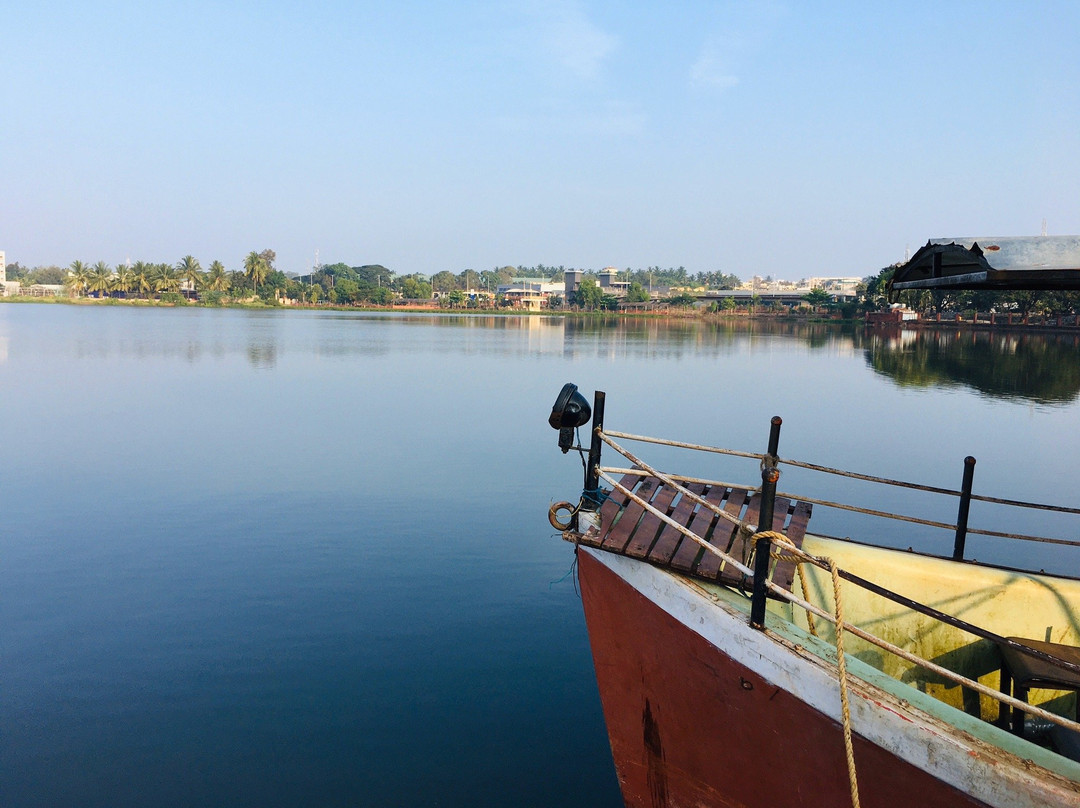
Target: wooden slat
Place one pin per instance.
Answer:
(613, 504)
(649, 526)
(784, 573)
(668, 541)
(687, 554)
(609, 511)
(617, 538)
(739, 548)
(723, 535)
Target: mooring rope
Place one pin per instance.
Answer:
(841, 665)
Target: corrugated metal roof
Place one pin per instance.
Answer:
(1034, 262)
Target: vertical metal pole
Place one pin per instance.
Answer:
(590, 497)
(769, 476)
(962, 513)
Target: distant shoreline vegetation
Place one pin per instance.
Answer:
(653, 291)
(369, 285)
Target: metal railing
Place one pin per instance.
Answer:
(766, 549)
(965, 494)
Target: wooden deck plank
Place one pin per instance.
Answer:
(610, 508)
(650, 524)
(627, 528)
(738, 548)
(784, 573)
(723, 535)
(614, 502)
(619, 535)
(668, 541)
(781, 506)
(687, 554)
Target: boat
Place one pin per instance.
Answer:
(743, 660)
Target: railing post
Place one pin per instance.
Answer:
(590, 497)
(769, 476)
(962, 513)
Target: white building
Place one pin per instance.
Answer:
(531, 293)
(6, 289)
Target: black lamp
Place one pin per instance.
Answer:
(571, 410)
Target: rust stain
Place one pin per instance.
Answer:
(656, 770)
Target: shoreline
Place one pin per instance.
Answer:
(703, 316)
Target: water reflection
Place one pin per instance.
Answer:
(1042, 368)
(263, 339)
(1035, 367)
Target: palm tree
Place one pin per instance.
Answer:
(255, 268)
(101, 279)
(143, 281)
(125, 279)
(78, 276)
(165, 278)
(216, 279)
(190, 271)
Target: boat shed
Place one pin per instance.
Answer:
(1027, 262)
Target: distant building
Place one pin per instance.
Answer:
(572, 280)
(7, 288)
(610, 283)
(838, 287)
(531, 293)
(607, 279)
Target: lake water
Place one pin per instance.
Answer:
(281, 558)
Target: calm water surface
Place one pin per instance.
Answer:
(293, 558)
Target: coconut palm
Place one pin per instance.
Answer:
(101, 279)
(165, 278)
(77, 278)
(143, 281)
(216, 279)
(255, 268)
(125, 279)
(190, 272)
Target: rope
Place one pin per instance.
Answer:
(798, 561)
(842, 667)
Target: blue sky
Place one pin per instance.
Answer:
(791, 139)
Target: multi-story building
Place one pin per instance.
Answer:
(531, 293)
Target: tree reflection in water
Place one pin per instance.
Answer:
(1043, 368)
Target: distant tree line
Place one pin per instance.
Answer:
(339, 283)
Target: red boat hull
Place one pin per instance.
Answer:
(691, 726)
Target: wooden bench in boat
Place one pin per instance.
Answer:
(1021, 673)
(628, 529)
